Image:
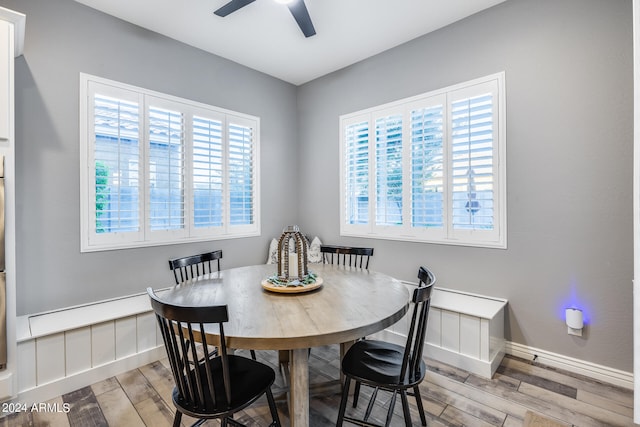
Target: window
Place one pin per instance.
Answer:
(428, 168)
(157, 169)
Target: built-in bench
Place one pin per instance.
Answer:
(467, 330)
(63, 350)
(464, 330)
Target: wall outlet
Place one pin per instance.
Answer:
(576, 332)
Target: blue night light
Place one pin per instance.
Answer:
(573, 302)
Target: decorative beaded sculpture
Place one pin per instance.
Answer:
(298, 271)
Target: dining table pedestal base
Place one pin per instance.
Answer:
(299, 387)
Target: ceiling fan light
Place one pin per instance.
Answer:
(284, 1)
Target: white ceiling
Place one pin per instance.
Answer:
(264, 35)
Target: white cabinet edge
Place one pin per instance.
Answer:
(19, 21)
(44, 324)
(482, 306)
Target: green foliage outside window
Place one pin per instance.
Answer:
(102, 194)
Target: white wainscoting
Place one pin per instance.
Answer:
(464, 330)
(467, 330)
(64, 350)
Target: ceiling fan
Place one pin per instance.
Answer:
(297, 8)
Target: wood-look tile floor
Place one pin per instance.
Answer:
(452, 397)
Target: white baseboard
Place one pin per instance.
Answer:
(61, 386)
(577, 366)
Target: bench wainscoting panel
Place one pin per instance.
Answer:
(464, 330)
(64, 350)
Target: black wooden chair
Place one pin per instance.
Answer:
(391, 367)
(193, 266)
(345, 255)
(215, 387)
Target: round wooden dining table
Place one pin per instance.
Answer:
(350, 303)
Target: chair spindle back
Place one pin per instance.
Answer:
(347, 256)
(181, 328)
(418, 327)
(194, 266)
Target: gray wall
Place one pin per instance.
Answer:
(64, 38)
(569, 91)
(568, 71)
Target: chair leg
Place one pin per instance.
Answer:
(253, 354)
(343, 401)
(177, 419)
(233, 422)
(392, 404)
(416, 393)
(356, 393)
(374, 395)
(272, 407)
(405, 408)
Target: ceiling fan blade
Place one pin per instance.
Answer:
(232, 6)
(301, 14)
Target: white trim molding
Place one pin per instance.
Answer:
(19, 21)
(577, 366)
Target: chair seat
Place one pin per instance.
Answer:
(379, 363)
(249, 379)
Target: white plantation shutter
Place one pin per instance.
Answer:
(427, 166)
(472, 135)
(208, 203)
(356, 172)
(474, 166)
(113, 163)
(388, 167)
(157, 169)
(241, 173)
(166, 171)
(432, 169)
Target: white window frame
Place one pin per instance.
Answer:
(93, 241)
(495, 238)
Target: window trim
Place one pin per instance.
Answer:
(406, 232)
(144, 237)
